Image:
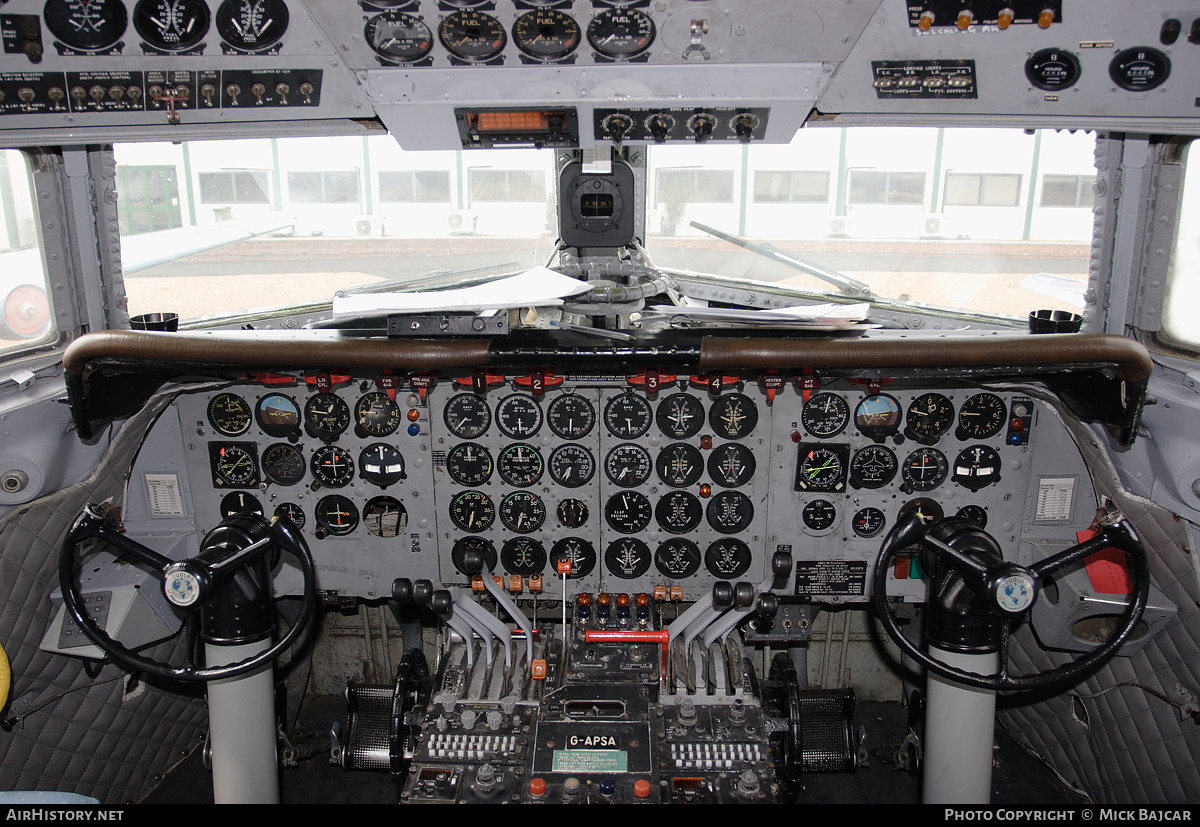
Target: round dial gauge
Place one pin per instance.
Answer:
(519, 416)
(467, 416)
(520, 465)
(819, 515)
(336, 515)
(472, 36)
(878, 416)
(172, 25)
(627, 416)
(1140, 69)
(868, 522)
(326, 415)
(825, 415)
(376, 414)
(381, 464)
(292, 512)
(332, 467)
(523, 556)
(571, 416)
(628, 465)
(728, 558)
(929, 416)
(628, 512)
(472, 511)
(677, 558)
(679, 512)
(976, 467)
(572, 513)
(234, 466)
(925, 469)
(680, 416)
(928, 510)
(679, 464)
(229, 414)
(283, 463)
(571, 465)
(981, 416)
(627, 558)
(975, 513)
(278, 415)
(731, 465)
(730, 512)
(522, 512)
(469, 464)
(621, 33)
(252, 25)
(821, 469)
(239, 502)
(733, 416)
(398, 36)
(546, 34)
(473, 544)
(385, 517)
(873, 467)
(578, 551)
(86, 25)
(1052, 69)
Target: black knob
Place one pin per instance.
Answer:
(472, 561)
(722, 595)
(1169, 32)
(743, 595)
(781, 564)
(660, 127)
(618, 127)
(422, 591)
(702, 128)
(743, 127)
(1194, 32)
(402, 590)
(768, 605)
(441, 601)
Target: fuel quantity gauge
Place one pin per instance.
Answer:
(472, 36)
(546, 34)
(398, 37)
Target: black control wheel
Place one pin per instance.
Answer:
(1003, 594)
(233, 565)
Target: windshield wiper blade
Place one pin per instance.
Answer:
(847, 285)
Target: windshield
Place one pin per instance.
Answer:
(992, 222)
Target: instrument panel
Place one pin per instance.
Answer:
(596, 484)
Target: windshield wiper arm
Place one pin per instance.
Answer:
(849, 286)
(421, 278)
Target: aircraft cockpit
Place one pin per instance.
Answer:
(598, 400)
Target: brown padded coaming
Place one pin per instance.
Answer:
(1131, 358)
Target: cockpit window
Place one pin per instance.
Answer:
(1180, 324)
(28, 318)
(218, 228)
(991, 222)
